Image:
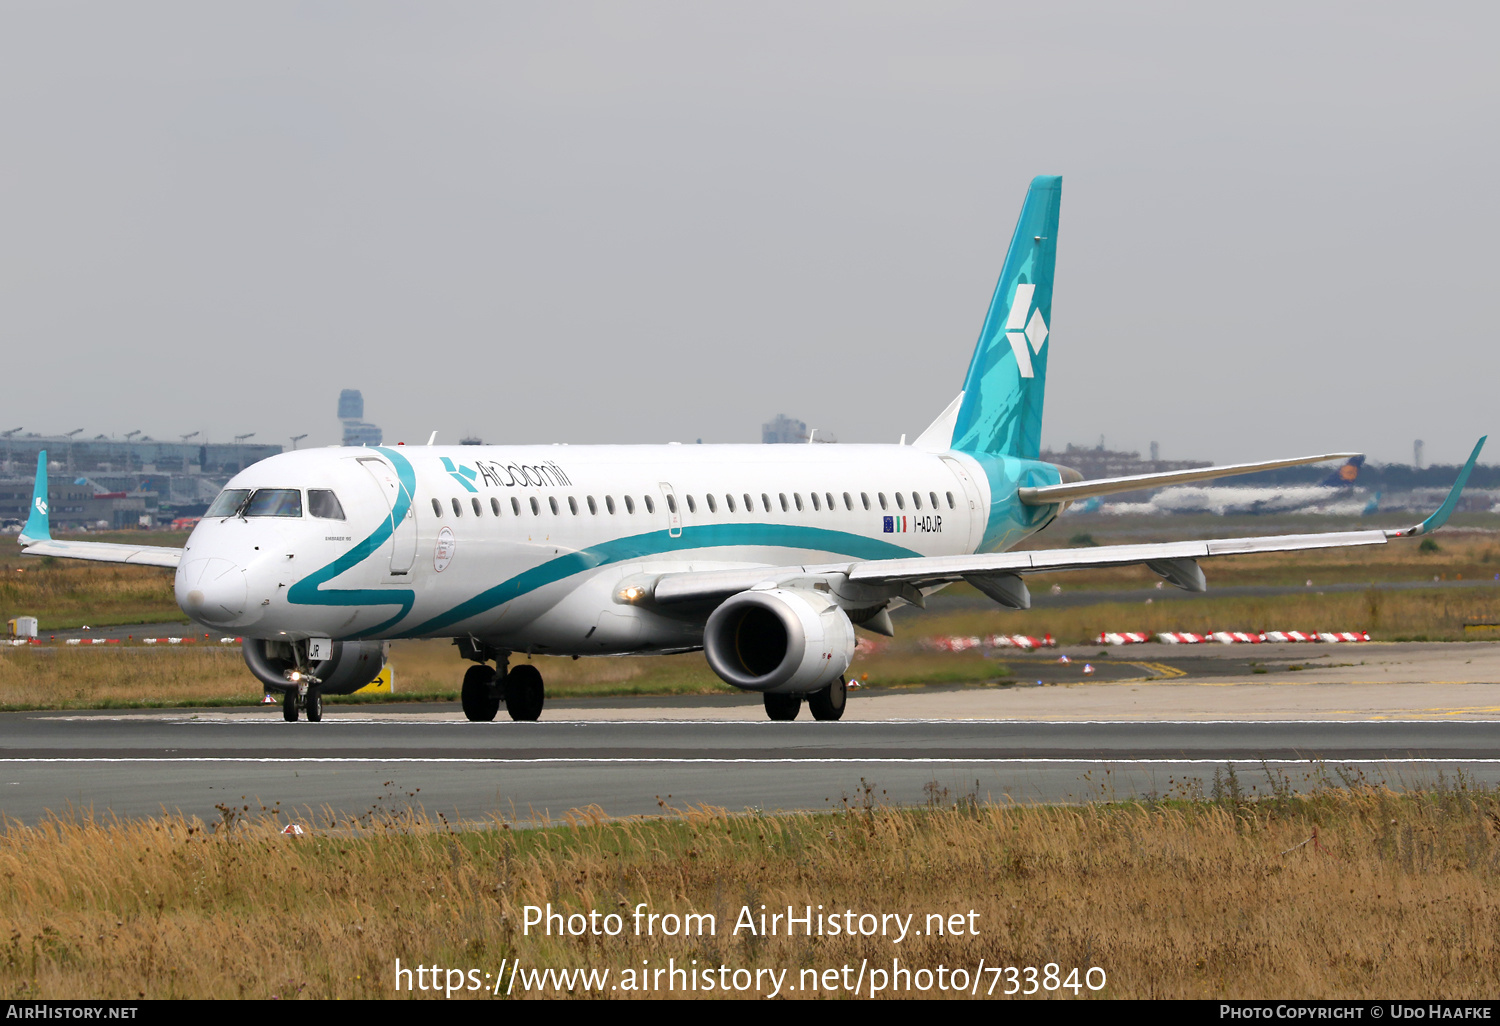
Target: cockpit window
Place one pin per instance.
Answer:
(323, 503)
(275, 502)
(229, 500)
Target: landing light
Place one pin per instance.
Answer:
(632, 594)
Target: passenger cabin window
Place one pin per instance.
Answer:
(881, 496)
(437, 509)
(713, 507)
(950, 500)
(495, 506)
(552, 501)
(816, 507)
(797, 498)
(829, 497)
(515, 505)
(766, 501)
(933, 497)
(692, 506)
(629, 505)
(784, 507)
(536, 507)
(609, 504)
(916, 500)
(729, 502)
(864, 497)
(324, 504)
(229, 500)
(275, 502)
(900, 501)
(651, 506)
(458, 510)
(593, 506)
(671, 504)
(849, 501)
(572, 505)
(474, 502)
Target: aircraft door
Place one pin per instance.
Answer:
(674, 515)
(398, 501)
(978, 516)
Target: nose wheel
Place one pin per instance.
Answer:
(293, 704)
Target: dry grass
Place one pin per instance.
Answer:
(1437, 614)
(1397, 897)
(63, 593)
(120, 676)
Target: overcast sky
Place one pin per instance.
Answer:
(653, 222)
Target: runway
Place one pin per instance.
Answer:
(1154, 720)
(354, 763)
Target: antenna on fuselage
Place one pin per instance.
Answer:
(432, 438)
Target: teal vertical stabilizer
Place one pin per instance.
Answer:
(37, 526)
(1001, 411)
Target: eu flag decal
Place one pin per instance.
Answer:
(890, 525)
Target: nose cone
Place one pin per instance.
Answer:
(214, 591)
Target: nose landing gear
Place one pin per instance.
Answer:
(302, 698)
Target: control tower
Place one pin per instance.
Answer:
(352, 414)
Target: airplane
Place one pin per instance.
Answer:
(765, 557)
(1308, 498)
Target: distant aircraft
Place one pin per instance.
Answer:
(764, 556)
(1222, 500)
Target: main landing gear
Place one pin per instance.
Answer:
(827, 704)
(485, 688)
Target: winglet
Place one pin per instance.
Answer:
(1444, 511)
(37, 528)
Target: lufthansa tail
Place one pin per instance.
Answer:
(1001, 409)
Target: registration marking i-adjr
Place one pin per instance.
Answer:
(765, 556)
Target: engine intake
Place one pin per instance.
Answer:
(352, 665)
(782, 640)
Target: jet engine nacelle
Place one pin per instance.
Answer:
(783, 640)
(352, 665)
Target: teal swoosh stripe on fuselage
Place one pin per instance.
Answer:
(654, 543)
(308, 591)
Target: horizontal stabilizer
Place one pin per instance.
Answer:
(1073, 491)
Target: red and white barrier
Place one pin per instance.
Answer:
(1025, 641)
(1123, 638)
(1236, 638)
(1337, 636)
(964, 644)
(1290, 636)
(1180, 638)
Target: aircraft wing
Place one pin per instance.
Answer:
(989, 571)
(1072, 491)
(106, 552)
(36, 537)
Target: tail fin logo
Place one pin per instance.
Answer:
(41, 506)
(1025, 337)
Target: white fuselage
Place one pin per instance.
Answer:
(525, 547)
